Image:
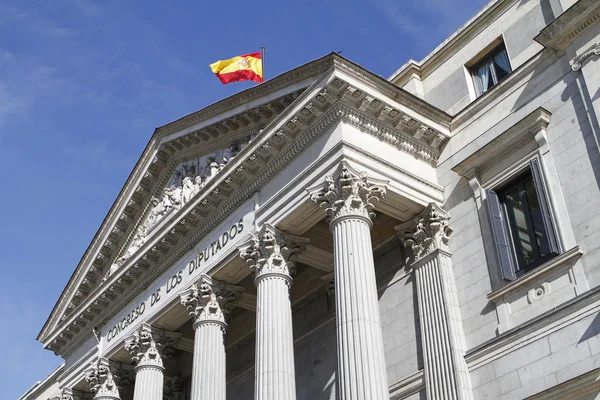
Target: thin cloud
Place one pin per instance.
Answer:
(421, 17)
(85, 7)
(33, 21)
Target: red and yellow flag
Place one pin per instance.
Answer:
(241, 68)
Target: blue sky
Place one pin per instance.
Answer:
(83, 83)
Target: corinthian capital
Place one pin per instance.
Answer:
(210, 300)
(350, 193)
(272, 251)
(426, 232)
(102, 376)
(148, 346)
(69, 394)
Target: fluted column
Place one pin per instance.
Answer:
(148, 346)
(208, 303)
(271, 256)
(446, 373)
(102, 376)
(361, 368)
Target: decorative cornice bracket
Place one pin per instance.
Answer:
(577, 62)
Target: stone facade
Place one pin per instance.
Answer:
(337, 236)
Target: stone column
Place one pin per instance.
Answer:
(102, 376)
(361, 368)
(208, 303)
(443, 342)
(148, 346)
(271, 256)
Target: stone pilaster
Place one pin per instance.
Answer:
(349, 202)
(103, 378)
(271, 256)
(148, 346)
(443, 342)
(208, 303)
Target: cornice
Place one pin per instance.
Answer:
(571, 24)
(43, 385)
(527, 128)
(310, 113)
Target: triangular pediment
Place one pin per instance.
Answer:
(197, 169)
(174, 167)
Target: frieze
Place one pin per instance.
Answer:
(207, 253)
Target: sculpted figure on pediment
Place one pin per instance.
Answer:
(189, 189)
(172, 197)
(187, 180)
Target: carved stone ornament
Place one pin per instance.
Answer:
(148, 346)
(210, 300)
(351, 193)
(187, 180)
(578, 61)
(102, 376)
(272, 251)
(173, 388)
(426, 232)
(329, 283)
(69, 394)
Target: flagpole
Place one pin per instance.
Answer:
(262, 58)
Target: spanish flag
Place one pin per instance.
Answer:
(241, 68)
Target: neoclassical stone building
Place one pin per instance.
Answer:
(330, 234)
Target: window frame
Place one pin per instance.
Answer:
(488, 58)
(503, 239)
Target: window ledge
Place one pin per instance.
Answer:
(543, 270)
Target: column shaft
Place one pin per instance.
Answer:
(208, 370)
(209, 303)
(446, 371)
(149, 381)
(361, 360)
(444, 347)
(274, 375)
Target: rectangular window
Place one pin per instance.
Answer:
(522, 224)
(491, 70)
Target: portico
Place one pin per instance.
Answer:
(241, 224)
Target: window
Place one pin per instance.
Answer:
(522, 224)
(491, 70)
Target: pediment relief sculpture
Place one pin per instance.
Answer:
(187, 180)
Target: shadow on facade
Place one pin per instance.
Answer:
(592, 331)
(575, 91)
